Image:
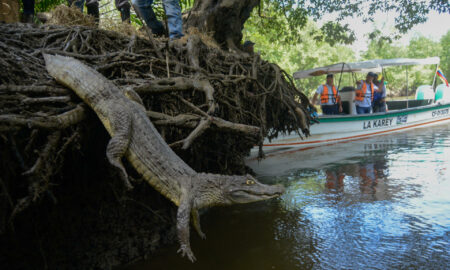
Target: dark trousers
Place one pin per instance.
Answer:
(379, 107)
(28, 7)
(94, 3)
(330, 109)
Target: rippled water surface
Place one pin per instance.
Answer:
(378, 203)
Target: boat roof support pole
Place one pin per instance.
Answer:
(434, 78)
(407, 97)
(340, 77)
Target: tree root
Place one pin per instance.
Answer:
(211, 94)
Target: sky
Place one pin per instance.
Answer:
(436, 26)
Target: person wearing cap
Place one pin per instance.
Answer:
(364, 94)
(379, 96)
(330, 100)
(248, 47)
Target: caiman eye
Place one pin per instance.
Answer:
(250, 182)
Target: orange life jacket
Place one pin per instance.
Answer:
(324, 96)
(361, 93)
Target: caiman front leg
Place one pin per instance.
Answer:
(196, 223)
(183, 217)
(118, 145)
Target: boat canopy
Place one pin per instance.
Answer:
(363, 67)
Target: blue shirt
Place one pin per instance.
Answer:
(377, 96)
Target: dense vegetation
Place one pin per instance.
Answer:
(310, 53)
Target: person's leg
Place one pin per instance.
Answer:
(124, 7)
(28, 11)
(334, 109)
(326, 110)
(173, 13)
(359, 110)
(92, 9)
(362, 110)
(144, 10)
(78, 3)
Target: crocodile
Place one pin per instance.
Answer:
(134, 137)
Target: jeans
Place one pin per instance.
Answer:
(173, 13)
(362, 110)
(330, 109)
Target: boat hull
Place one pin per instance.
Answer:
(335, 129)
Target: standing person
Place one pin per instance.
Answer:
(379, 96)
(93, 8)
(173, 13)
(330, 100)
(364, 94)
(28, 11)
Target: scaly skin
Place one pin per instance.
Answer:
(135, 137)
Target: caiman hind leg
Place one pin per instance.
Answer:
(118, 145)
(183, 217)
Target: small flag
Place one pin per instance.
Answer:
(441, 76)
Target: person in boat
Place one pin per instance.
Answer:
(364, 94)
(330, 100)
(379, 95)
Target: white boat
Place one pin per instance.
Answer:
(426, 110)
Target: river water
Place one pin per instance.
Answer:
(378, 203)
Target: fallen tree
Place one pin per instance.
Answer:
(210, 105)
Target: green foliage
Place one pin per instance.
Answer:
(308, 53)
(308, 49)
(445, 54)
(419, 47)
(47, 5)
(296, 14)
(44, 5)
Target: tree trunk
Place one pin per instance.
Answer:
(9, 11)
(224, 18)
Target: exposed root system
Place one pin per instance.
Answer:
(211, 106)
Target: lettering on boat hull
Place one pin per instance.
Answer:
(402, 119)
(386, 122)
(439, 113)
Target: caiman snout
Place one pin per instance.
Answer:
(255, 192)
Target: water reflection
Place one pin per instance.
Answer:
(381, 203)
